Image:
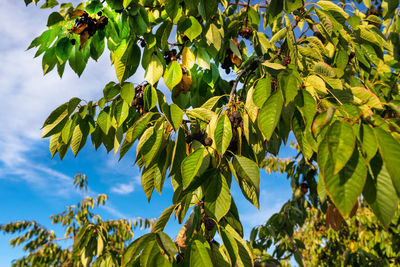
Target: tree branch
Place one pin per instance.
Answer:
(252, 66)
(296, 247)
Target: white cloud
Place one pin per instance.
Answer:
(124, 189)
(28, 97)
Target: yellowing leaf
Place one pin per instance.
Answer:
(188, 58)
(173, 75)
(154, 70)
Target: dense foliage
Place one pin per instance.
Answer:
(326, 71)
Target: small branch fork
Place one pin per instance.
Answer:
(296, 248)
(251, 67)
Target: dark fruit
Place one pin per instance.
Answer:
(209, 224)
(73, 41)
(236, 114)
(179, 258)
(246, 33)
(99, 13)
(286, 60)
(184, 70)
(208, 141)
(189, 139)
(185, 39)
(142, 43)
(304, 188)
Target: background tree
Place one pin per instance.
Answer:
(328, 71)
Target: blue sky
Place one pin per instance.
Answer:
(32, 186)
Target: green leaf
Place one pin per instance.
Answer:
(249, 191)
(207, 8)
(191, 28)
(163, 220)
(288, 85)
(94, 7)
(154, 70)
(223, 134)
(325, 22)
(78, 140)
(149, 144)
(110, 91)
(171, 7)
(179, 152)
(48, 4)
(270, 114)
(211, 103)
(203, 58)
(325, 70)
(97, 45)
(217, 198)
(238, 251)
(214, 37)
(201, 113)
(126, 60)
(345, 187)
(56, 121)
(167, 245)
(150, 97)
(291, 5)
(322, 120)
(390, 152)
(337, 12)
(49, 60)
(104, 120)
(368, 141)
(151, 255)
(135, 248)
(380, 193)
(173, 75)
(341, 141)
(188, 58)
(148, 177)
(191, 166)
(138, 128)
(199, 254)
(248, 170)
(262, 91)
(54, 18)
(128, 92)
(115, 4)
(63, 49)
(77, 61)
(174, 114)
(121, 112)
(274, 66)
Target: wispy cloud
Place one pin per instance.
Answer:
(28, 98)
(124, 189)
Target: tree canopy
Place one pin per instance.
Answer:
(326, 71)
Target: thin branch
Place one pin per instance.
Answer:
(252, 66)
(247, 13)
(296, 247)
(246, 5)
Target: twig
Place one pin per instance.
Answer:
(246, 5)
(296, 247)
(252, 66)
(247, 13)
